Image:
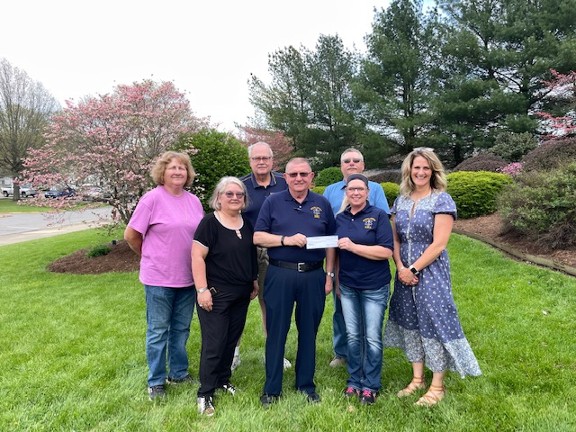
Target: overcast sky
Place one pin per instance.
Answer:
(78, 48)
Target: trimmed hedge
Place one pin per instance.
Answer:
(328, 176)
(391, 190)
(482, 162)
(319, 189)
(551, 155)
(476, 192)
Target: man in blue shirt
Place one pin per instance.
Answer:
(260, 183)
(351, 162)
(295, 275)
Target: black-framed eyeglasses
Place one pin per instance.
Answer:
(296, 174)
(261, 158)
(355, 160)
(231, 194)
(356, 189)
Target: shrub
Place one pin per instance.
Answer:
(319, 189)
(482, 162)
(214, 155)
(540, 206)
(476, 193)
(328, 176)
(551, 154)
(512, 146)
(391, 190)
(387, 176)
(513, 169)
(99, 250)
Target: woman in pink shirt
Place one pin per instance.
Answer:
(161, 231)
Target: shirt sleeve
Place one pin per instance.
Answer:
(445, 205)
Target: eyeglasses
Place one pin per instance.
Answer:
(296, 174)
(261, 158)
(355, 160)
(355, 189)
(231, 194)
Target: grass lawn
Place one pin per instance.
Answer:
(72, 356)
(7, 205)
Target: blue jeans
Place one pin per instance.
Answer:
(168, 315)
(339, 340)
(364, 316)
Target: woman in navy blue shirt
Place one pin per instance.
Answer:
(365, 243)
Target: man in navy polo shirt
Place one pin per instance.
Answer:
(351, 162)
(295, 275)
(260, 183)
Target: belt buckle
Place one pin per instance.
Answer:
(301, 267)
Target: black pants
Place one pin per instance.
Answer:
(221, 328)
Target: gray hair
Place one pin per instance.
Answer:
(219, 189)
(352, 150)
(260, 143)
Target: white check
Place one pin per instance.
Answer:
(322, 242)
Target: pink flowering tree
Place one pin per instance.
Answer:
(112, 141)
(281, 145)
(562, 94)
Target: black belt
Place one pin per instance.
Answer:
(301, 266)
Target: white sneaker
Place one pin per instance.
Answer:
(286, 363)
(205, 406)
(338, 361)
(235, 362)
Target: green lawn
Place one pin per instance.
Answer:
(7, 205)
(72, 356)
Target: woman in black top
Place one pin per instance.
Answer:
(225, 272)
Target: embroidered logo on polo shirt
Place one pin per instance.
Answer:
(317, 211)
(369, 222)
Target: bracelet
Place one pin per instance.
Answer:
(201, 290)
(282, 240)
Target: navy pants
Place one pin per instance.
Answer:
(282, 289)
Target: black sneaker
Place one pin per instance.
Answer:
(367, 397)
(313, 397)
(205, 406)
(267, 400)
(185, 380)
(228, 388)
(156, 392)
(351, 392)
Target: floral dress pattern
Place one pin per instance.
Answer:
(423, 320)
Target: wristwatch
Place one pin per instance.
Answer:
(414, 271)
(201, 290)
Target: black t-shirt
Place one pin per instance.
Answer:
(231, 261)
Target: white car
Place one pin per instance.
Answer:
(25, 191)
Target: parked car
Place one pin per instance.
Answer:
(95, 193)
(56, 192)
(25, 191)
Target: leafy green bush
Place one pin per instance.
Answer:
(391, 190)
(328, 176)
(541, 206)
(512, 146)
(482, 162)
(476, 192)
(550, 155)
(214, 155)
(99, 250)
(319, 189)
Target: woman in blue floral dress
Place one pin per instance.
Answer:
(423, 320)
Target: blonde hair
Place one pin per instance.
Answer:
(157, 171)
(225, 181)
(437, 179)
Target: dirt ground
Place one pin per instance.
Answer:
(122, 258)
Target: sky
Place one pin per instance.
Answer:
(208, 49)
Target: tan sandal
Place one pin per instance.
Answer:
(434, 395)
(416, 384)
